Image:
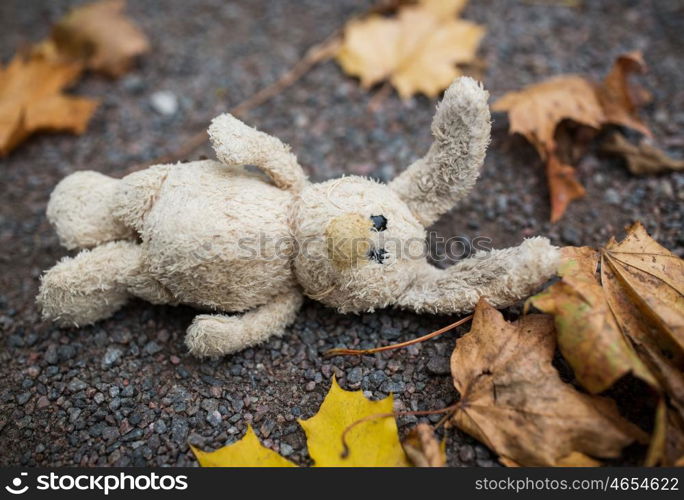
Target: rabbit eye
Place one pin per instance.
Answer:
(379, 222)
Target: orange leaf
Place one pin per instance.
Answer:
(537, 110)
(563, 186)
(31, 97)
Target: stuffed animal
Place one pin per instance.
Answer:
(227, 239)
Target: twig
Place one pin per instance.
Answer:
(360, 352)
(345, 448)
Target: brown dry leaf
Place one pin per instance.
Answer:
(513, 400)
(667, 443)
(422, 448)
(642, 159)
(537, 110)
(630, 319)
(32, 98)
(653, 277)
(563, 186)
(617, 99)
(589, 336)
(417, 50)
(102, 36)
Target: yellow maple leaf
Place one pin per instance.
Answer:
(371, 443)
(417, 50)
(374, 443)
(247, 452)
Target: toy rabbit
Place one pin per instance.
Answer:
(216, 236)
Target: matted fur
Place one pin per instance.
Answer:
(184, 234)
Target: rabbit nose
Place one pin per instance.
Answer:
(347, 238)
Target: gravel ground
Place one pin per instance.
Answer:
(125, 392)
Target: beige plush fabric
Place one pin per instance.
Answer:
(81, 209)
(215, 236)
(461, 128)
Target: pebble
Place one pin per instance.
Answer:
(77, 385)
(111, 356)
(438, 365)
(214, 418)
(152, 348)
(164, 102)
(355, 375)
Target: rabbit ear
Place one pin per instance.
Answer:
(237, 144)
(461, 129)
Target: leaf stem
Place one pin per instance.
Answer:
(345, 448)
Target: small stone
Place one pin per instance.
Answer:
(311, 386)
(391, 386)
(466, 453)
(152, 348)
(110, 433)
(164, 102)
(128, 391)
(376, 378)
(285, 449)
(111, 356)
(133, 84)
(77, 385)
(43, 402)
(214, 418)
(51, 355)
(66, 352)
(612, 196)
(438, 365)
(160, 427)
(23, 397)
(179, 429)
(355, 375)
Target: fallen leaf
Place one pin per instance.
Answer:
(642, 159)
(563, 186)
(537, 110)
(617, 99)
(247, 452)
(589, 336)
(32, 98)
(513, 400)
(629, 318)
(667, 444)
(102, 36)
(653, 277)
(417, 50)
(373, 443)
(423, 449)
